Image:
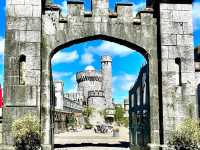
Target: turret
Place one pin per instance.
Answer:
(106, 69)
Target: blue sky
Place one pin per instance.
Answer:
(126, 62)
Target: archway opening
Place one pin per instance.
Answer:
(101, 89)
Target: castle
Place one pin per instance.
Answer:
(94, 89)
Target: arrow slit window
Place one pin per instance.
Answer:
(22, 65)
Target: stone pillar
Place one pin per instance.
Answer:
(23, 38)
(106, 69)
(178, 77)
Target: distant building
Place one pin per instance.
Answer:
(65, 106)
(139, 106)
(94, 90)
(126, 107)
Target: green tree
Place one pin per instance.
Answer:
(72, 121)
(119, 115)
(87, 112)
(187, 136)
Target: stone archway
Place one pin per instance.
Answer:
(161, 35)
(135, 33)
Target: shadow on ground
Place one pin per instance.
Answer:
(121, 145)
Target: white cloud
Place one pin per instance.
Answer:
(109, 48)
(59, 75)
(89, 68)
(73, 78)
(196, 15)
(2, 45)
(138, 7)
(64, 8)
(124, 81)
(87, 58)
(65, 57)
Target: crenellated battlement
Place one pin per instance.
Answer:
(100, 8)
(124, 9)
(88, 75)
(106, 59)
(96, 93)
(75, 8)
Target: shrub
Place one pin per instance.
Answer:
(26, 132)
(187, 136)
(88, 126)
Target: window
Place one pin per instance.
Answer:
(22, 63)
(138, 96)
(144, 94)
(178, 62)
(132, 100)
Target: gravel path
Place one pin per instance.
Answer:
(88, 140)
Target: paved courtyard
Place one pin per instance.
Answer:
(89, 140)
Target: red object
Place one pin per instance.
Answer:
(1, 98)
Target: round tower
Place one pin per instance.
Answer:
(88, 80)
(106, 69)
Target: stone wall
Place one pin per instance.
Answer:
(36, 37)
(23, 39)
(178, 72)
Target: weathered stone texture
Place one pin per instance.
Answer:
(39, 36)
(177, 42)
(23, 37)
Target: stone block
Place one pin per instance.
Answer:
(33, 62)
(33, 36)
(164, 65)
(168, 39)
(165, 6)
(182, 16)
(13, 2)
(187, 77)
(124, 10)
(28, 36)
(170, 79)
(20, 36)
(181, 51)
(37, 10)
(184, 40)
(187, 28)
(30, 49)
(174, 52)
(165, 52)
(34, 24)
(16, 23)
(33, 2)
(22, 95)
(75, 9)
(32, 77)
(168, 27)
(187, 65)
(166, 15)
(16, 10)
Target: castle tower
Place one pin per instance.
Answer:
(106, 69)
